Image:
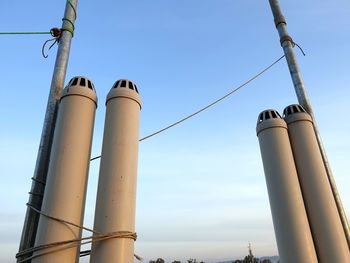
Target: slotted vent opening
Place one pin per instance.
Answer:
(116, 84)
(75, 82)
(90, 85)
(293, 109)
(267, 115)
(301, 109)
(82, 82)
(125, 84)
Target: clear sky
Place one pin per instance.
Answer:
(201, 187)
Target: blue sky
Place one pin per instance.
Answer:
(201, 187)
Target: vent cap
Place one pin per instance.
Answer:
(80, 86)
(294, 108)
(269, 119)
(294, 113)
(81, 82)
(125, 84)
(267, 115)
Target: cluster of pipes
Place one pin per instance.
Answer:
(306, 221)
(66, 185)
(307, 224)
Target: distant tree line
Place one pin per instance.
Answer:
(160, 260)
(247, 259)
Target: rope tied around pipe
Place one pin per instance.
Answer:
(290, 39)
(66, 244)
(57, 32)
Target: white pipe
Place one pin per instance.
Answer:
(116, 195)
(68, 172)
(324, 219)
(292, 230)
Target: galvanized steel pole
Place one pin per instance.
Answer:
(41, 167)
(287, 45)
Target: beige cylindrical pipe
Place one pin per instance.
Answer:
(293, 235)
(326, 227)
(116, 195)
(68, 172)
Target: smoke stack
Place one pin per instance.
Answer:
(68, 171)
(327, 230)
(116, 195)
(293, 235)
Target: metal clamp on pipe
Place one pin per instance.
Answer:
(280, 19)
(286, 38)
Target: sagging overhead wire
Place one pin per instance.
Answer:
(209, 105)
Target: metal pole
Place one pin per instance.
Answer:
(287, 45)
(43, 158)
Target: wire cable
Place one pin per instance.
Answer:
(209, 105)
(25, 33)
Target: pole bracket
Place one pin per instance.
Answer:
(279, 19)
(286, 38)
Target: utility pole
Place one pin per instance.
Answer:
(43, 158)
(251, 257)
(287, 45)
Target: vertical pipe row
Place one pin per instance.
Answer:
(290, 221)
(303, 207)
(68, 172)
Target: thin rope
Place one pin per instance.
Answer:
(209, 105)
(35, 194)
(302, 51)
(73, 8)
(55, 40)
(25, 33)
(61, 220)
(38, 181)
(60, 245)
(70, 30)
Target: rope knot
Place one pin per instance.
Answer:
(56, 33)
